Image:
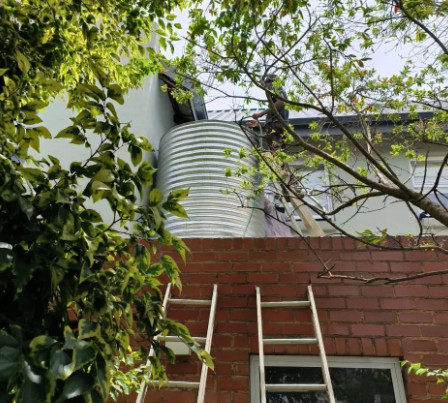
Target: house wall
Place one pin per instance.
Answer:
(406, 320)
(384, 212)
(147, 109)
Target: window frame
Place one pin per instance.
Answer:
(391, 363)
(297, 165)
(430, 159)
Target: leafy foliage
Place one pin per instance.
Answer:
(322, 53)
(440, 374)
(74, 289)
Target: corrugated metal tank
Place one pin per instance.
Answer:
(192, 156)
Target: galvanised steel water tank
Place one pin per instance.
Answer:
(192, 156)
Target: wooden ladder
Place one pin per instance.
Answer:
(201, 340)
(264, 388)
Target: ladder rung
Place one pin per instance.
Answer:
(190, 301)
(175, 384)
(302, 340)
(176, 338)
(285, 304)
(298, 387)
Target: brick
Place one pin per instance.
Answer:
(441, 318)
(233, 383)
(243, 315)
(387, 256)
(323, 303)
(434, 331)
(294, 256)
(363, 256)
(243, 290)
(411, 290)
(416, 389)
(257, 278)
(379, 316)
(344, 266)
(415, 317)
(381, 347)
(419, 345)
(346, 316)
(354, 347)
(337, 330)
(397, 303)
(232, 278)
(249, 266)
(376, 290)
(367, 330)
(403, 330)
(405, 267)
(394, 347)
(216, 267)
(439, 360)
(234, 256)
(438, 291)
(368, 347)
(342, 290)
(376, 267)
(278, 289)
(429, 267)
(420, 256)
(232, 302)
(431, 304)
(340, 346)
(362, 303)
(436, 389)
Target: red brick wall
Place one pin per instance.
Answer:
(406, 320)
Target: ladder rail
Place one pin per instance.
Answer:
(144, 386)
(201, 385)
(208, 344)
(320, 342)
(260, 347)
(327, 385)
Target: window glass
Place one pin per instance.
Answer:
(425, 174)
(354, 379)
(351, 385)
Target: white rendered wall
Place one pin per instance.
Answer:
(147, 109)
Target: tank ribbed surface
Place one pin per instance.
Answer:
(192, 156)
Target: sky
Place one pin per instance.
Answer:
(387, 60)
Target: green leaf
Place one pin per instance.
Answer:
(41, 131)
(155, 197)
(136, 154)
(22, 62)
(41, 342)
(115, 92)
(104, 175)
(83, 353)
(76, 385)
(180, 194)
(60, 364)
(87, 329)
(91, 215)
(9, 362)
(33, 174)
(145, 173)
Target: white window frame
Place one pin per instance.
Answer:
(428, 184)
(393, 364)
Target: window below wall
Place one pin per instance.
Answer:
(355, 379)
